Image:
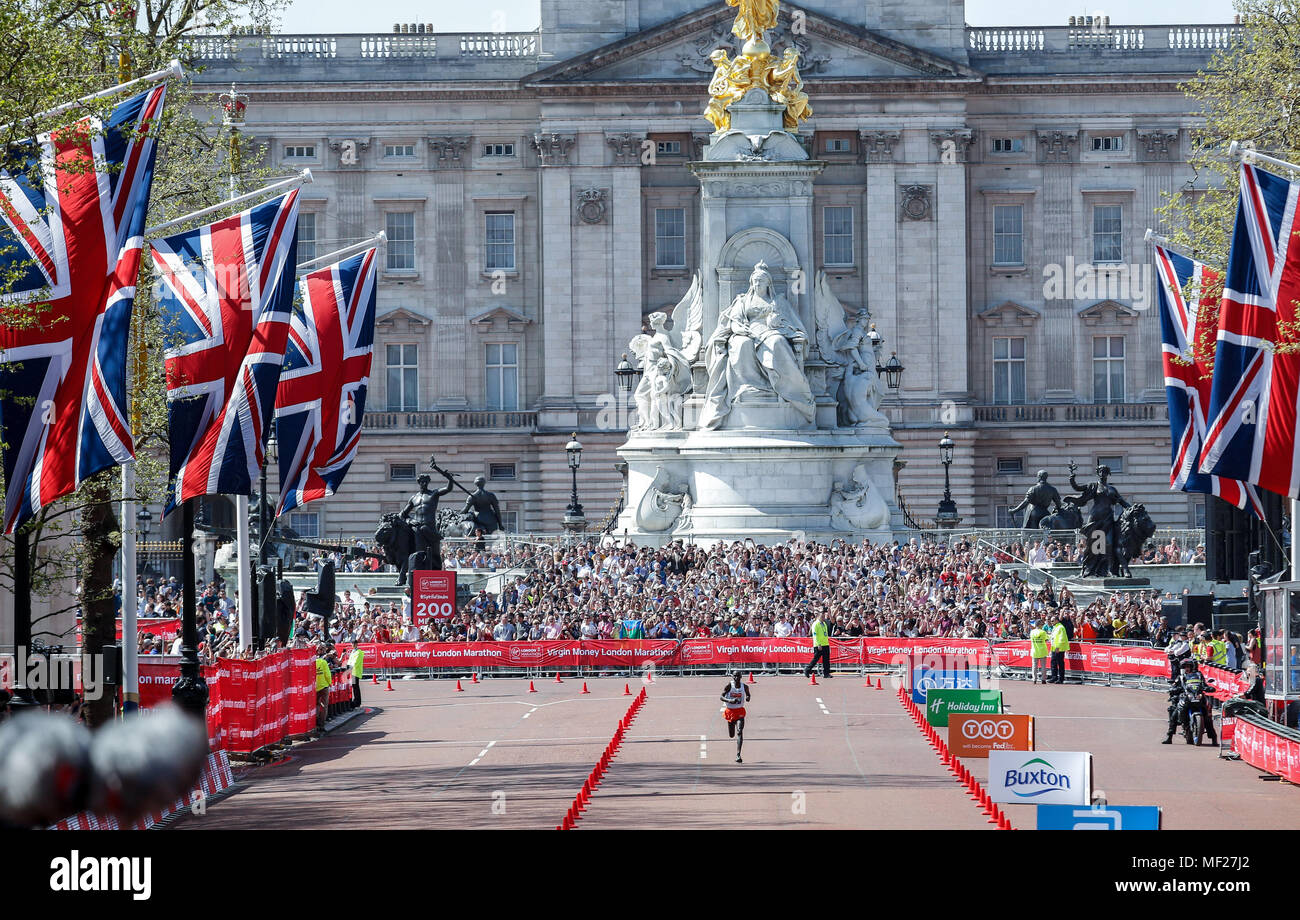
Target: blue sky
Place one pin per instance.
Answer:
(522, 15)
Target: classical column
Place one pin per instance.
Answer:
(952, 146)
(556, 267)
(881, 229)
(450, 279)
(1159, 147)
(1056, 151)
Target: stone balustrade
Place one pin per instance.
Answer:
(449, 421)
(360, 47)
(1029, 40)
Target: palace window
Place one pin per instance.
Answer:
(300, 151)
(1008, 145)
(1107, 233)
(668, 147)
(670, 237)
(498, 150)
(403, 378)
(1008, 234)
(1108, 368)
(399, 150)
(499, 245)
(1008, 466)
(1111, 143)
(401, 472)
(503, 377)
(1116, 464)
(1008, 371)
(400, 227)
(306, 236)
(837, 235)
(501, 471)
(306, 523)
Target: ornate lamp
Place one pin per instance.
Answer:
(574, 519)
(627, 375)
(233, 107)
(947, 516)
(892, 371)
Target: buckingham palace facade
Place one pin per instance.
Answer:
(985, 195)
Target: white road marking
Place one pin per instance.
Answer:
(527, 714)
(482, 753)
(474, 761)
(704, 747)
(490, 743)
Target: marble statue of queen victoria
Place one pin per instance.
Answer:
(758, 349)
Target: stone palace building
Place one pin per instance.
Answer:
(985, 196)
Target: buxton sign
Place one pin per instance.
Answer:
(1049, 777)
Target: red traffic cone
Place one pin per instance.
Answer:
(459, 688)
(584, 687)
(1004, 824)
(627, 689)
(474, 678)
(390, 686)
(531, 688)
(557, 678)
(751, 678)
(812, 680)
(374, 679)
(880, 684)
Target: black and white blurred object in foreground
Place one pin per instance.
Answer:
(52, 767)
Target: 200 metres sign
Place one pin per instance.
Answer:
(940, 703)
(433, 596)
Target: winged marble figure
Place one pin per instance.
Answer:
(665, 357)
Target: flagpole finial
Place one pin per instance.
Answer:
(175, 68)
(306, 177)
(1149, 235)
(381, 236)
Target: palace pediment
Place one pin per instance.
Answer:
(678, 52)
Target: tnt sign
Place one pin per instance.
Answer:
(433, 595)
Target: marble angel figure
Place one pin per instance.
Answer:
(665, 358)
(845, 343)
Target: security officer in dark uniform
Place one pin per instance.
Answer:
(1190, 682)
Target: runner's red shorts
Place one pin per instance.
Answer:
(733, 715)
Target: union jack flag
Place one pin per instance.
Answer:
(1251, 421)
(322, 394)
(1187, 374)
(70, 247)
(227, 293)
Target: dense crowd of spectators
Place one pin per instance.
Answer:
(740, 589)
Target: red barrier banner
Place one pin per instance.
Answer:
(433, 596)
(1227, 684)
(888, 651)
(1127, 660)
(163, 627)
(1267, 751)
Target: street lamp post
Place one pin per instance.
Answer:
(947, 516)
(266, 599)
(628, 377)
(574, 519)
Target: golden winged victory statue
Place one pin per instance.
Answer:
(755, 67)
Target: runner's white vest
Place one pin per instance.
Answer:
(735, 697)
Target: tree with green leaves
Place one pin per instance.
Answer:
(53, 52)
(1250, 93)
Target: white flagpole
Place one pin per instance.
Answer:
(173, 69)
(241, 501)
(1251, 155)
(339, 254)
(303, 178)
(130, 641)
(1163, 241)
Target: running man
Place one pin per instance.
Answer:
(735, 695)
